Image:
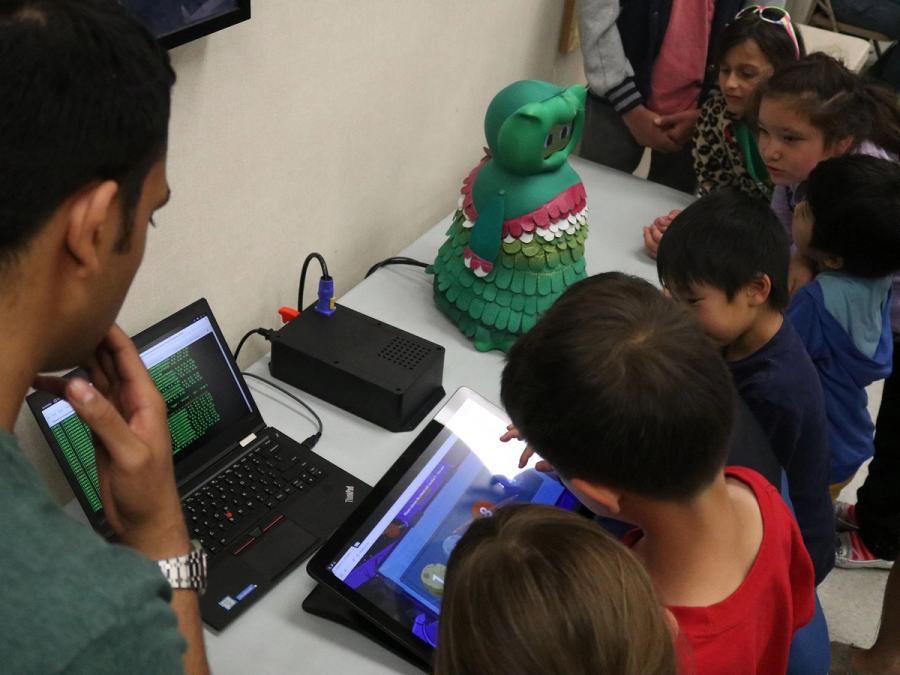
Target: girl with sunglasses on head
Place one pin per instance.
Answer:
(758, 42)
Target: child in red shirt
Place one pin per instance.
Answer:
(619, 390)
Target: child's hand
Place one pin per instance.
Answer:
(801, 271)
(513, 433)
(654, 232)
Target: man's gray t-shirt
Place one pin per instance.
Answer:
(71, 602)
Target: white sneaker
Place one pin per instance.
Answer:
(852, 553)
(845, 517)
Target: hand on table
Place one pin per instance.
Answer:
(513, 433)
(654, 232)
(134, 448)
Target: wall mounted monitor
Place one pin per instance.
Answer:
(175, 22)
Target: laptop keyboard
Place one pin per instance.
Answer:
(241, 503)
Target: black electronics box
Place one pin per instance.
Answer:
(365, 366)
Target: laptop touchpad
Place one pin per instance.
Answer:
(273, 554)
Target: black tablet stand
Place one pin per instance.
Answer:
(329, 605)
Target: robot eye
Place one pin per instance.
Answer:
(548, 141)
(564, 134)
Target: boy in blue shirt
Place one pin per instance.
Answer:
(726, 257)
(850, 227)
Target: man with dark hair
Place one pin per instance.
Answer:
(83, 138)
(728, 262)
(618, 389)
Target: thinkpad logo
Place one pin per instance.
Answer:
(348, 494)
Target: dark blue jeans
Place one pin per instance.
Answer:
(878, 500)
(878, 15)
(887, 68)
(882, 16)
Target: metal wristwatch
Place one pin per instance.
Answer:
(188, 570)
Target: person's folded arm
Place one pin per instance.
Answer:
(607, 69)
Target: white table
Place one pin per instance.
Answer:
(276, 635)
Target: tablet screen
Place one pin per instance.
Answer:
(397, 558)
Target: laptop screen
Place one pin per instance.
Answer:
(199, 382)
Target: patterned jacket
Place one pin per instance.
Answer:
(718, 159)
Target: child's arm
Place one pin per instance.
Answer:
(805, 316)
(782, 208)
(803, 453)
(654, 232)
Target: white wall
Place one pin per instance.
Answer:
(343, 127)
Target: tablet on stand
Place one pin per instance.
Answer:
(383, 570)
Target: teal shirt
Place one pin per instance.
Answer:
(71, 602)
(857, 304)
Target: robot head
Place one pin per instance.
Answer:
(531, 126)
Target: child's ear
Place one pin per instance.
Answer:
(758, 290)
(832, 262)
(607, 498)
(842, 146)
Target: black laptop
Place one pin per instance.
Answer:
(256, 499)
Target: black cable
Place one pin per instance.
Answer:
(396, 260)
(265, 332)
(325, 275)
(289, 394)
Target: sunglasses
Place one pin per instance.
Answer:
(776, 15)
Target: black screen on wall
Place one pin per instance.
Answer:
(175, 22)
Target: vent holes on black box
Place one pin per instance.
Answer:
(404, 352)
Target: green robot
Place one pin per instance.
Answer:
(517, 240)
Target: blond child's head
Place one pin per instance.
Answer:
(539, 590)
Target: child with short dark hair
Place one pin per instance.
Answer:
(536, 590)
(850, 228)
(617, 388)
(726, 257)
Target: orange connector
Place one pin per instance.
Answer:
(288, 314)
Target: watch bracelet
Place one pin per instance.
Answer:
(186, 571)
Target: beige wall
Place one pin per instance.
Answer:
(343, 127)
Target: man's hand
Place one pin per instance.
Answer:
(802, 270)
(654, 232)
(642, 123)
(513, 433)
(134, 449)
(678, 127)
